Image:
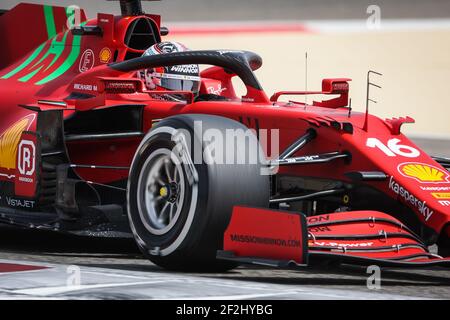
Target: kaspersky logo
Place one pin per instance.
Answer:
(411, 199)
(423, 173)
(51, 59)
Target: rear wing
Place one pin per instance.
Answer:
(334, 86)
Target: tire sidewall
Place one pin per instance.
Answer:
(175, 238)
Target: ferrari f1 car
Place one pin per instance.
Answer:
(86, 148)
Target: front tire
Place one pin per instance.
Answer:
(179, 210)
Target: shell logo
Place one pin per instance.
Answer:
(105, 55)
(9, 141)
(423, 173)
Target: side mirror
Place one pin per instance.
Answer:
(336, 86)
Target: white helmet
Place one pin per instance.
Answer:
(173, 78)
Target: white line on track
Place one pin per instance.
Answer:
(45, 291)
(241, 296)
(51, 283)
(117, 275)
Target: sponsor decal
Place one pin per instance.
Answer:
(18, 203)
(175, 76)
(409, 198)
(435, 188)
(444, 203)
(344, 245)
(191, 68)
(105, 55)
(341, 86)
(87, 61)
(441, 195)
(222, 52)
(169, 47)
(27, 158)
(320, 229)
(217, 91)
(319, 219)
(264, 240)
(423, 173)
(9, 142)
(26, 173)
(7, 176)
(85, 87)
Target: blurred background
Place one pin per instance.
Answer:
(408, 41)
(232, 10)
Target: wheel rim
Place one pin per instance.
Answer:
(161, 191)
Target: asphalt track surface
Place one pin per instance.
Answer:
(114, 269)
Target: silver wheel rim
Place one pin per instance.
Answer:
(161, 190)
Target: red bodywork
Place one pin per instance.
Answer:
(54, 68)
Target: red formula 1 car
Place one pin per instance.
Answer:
(86, 148)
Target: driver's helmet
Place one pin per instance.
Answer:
(173, 78)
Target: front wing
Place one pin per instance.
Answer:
(286, 239)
